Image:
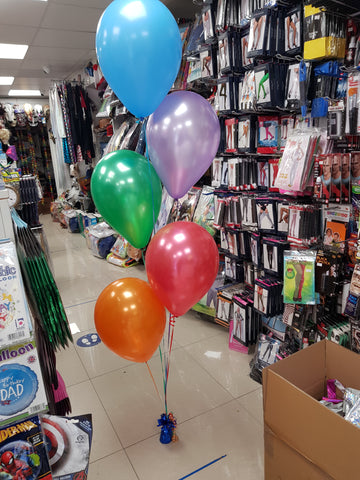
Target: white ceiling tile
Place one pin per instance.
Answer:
(22, 12)
(30, 83)
(53, 55)
(85, 3)
(3, 93)
(69, 17)
(8, 67)
(61, 38)
(22, 36)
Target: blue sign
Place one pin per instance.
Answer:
(18, 387)
(88, 340)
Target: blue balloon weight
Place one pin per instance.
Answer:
(139, 49)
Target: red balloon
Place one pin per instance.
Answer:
(130, 319)
(182, 261)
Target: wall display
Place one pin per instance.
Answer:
(285, 173)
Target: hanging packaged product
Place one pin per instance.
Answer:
(229, 53)
(183, 209)
(225, 98)
(208, 63)
(246, 134)
(299, 277)
(23, 453)
(166, 205)
(291, 28)
(352, 123)
(258, 34)
(266, 215)
(208, 23)
(247, 100)
(268, 134)
(15, 323)
(324, 34)
(246, 61)
(68, 441)
(22, 390)
(204, 212)
(231, 134)
(273, 255)
(326, 272)
(297, 161)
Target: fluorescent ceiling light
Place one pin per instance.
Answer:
(6, 80)
(24, 93)
(13, 51)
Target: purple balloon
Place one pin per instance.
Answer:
(183, 136)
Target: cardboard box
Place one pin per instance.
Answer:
(304, 439)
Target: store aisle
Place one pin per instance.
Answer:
(217, 406)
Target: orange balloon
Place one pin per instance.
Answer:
(130, 319)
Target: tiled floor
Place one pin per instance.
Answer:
(218, 407)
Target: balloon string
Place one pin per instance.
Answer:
(152, 190)
(171, 337)
(163, 374)
(152, 378)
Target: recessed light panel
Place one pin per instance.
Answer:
(24, 93)
(13, 51)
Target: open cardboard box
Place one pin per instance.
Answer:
(304, 439)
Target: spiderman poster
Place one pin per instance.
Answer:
(23, 453)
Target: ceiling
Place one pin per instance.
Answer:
(60, 35)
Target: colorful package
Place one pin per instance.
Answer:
(299, 277)
(22, 390)
(23, 452)
(68, 440)
(15, 324)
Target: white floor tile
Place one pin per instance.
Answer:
(229, 368)
(191, 328)
(98, 359)
(130, 398)
(85, 400)
(82, 315)
(253, 403)
(116, 466)
(70, 367)
(84, 281)
(227, 430)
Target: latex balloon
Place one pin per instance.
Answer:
(127, 192)
(183, 137)
(139, 48)
(130, 319)
(182, 262)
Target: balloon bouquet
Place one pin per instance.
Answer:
(139, 50)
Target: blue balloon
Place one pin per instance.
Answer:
(139, 49)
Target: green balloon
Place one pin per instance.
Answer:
(127, 193)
